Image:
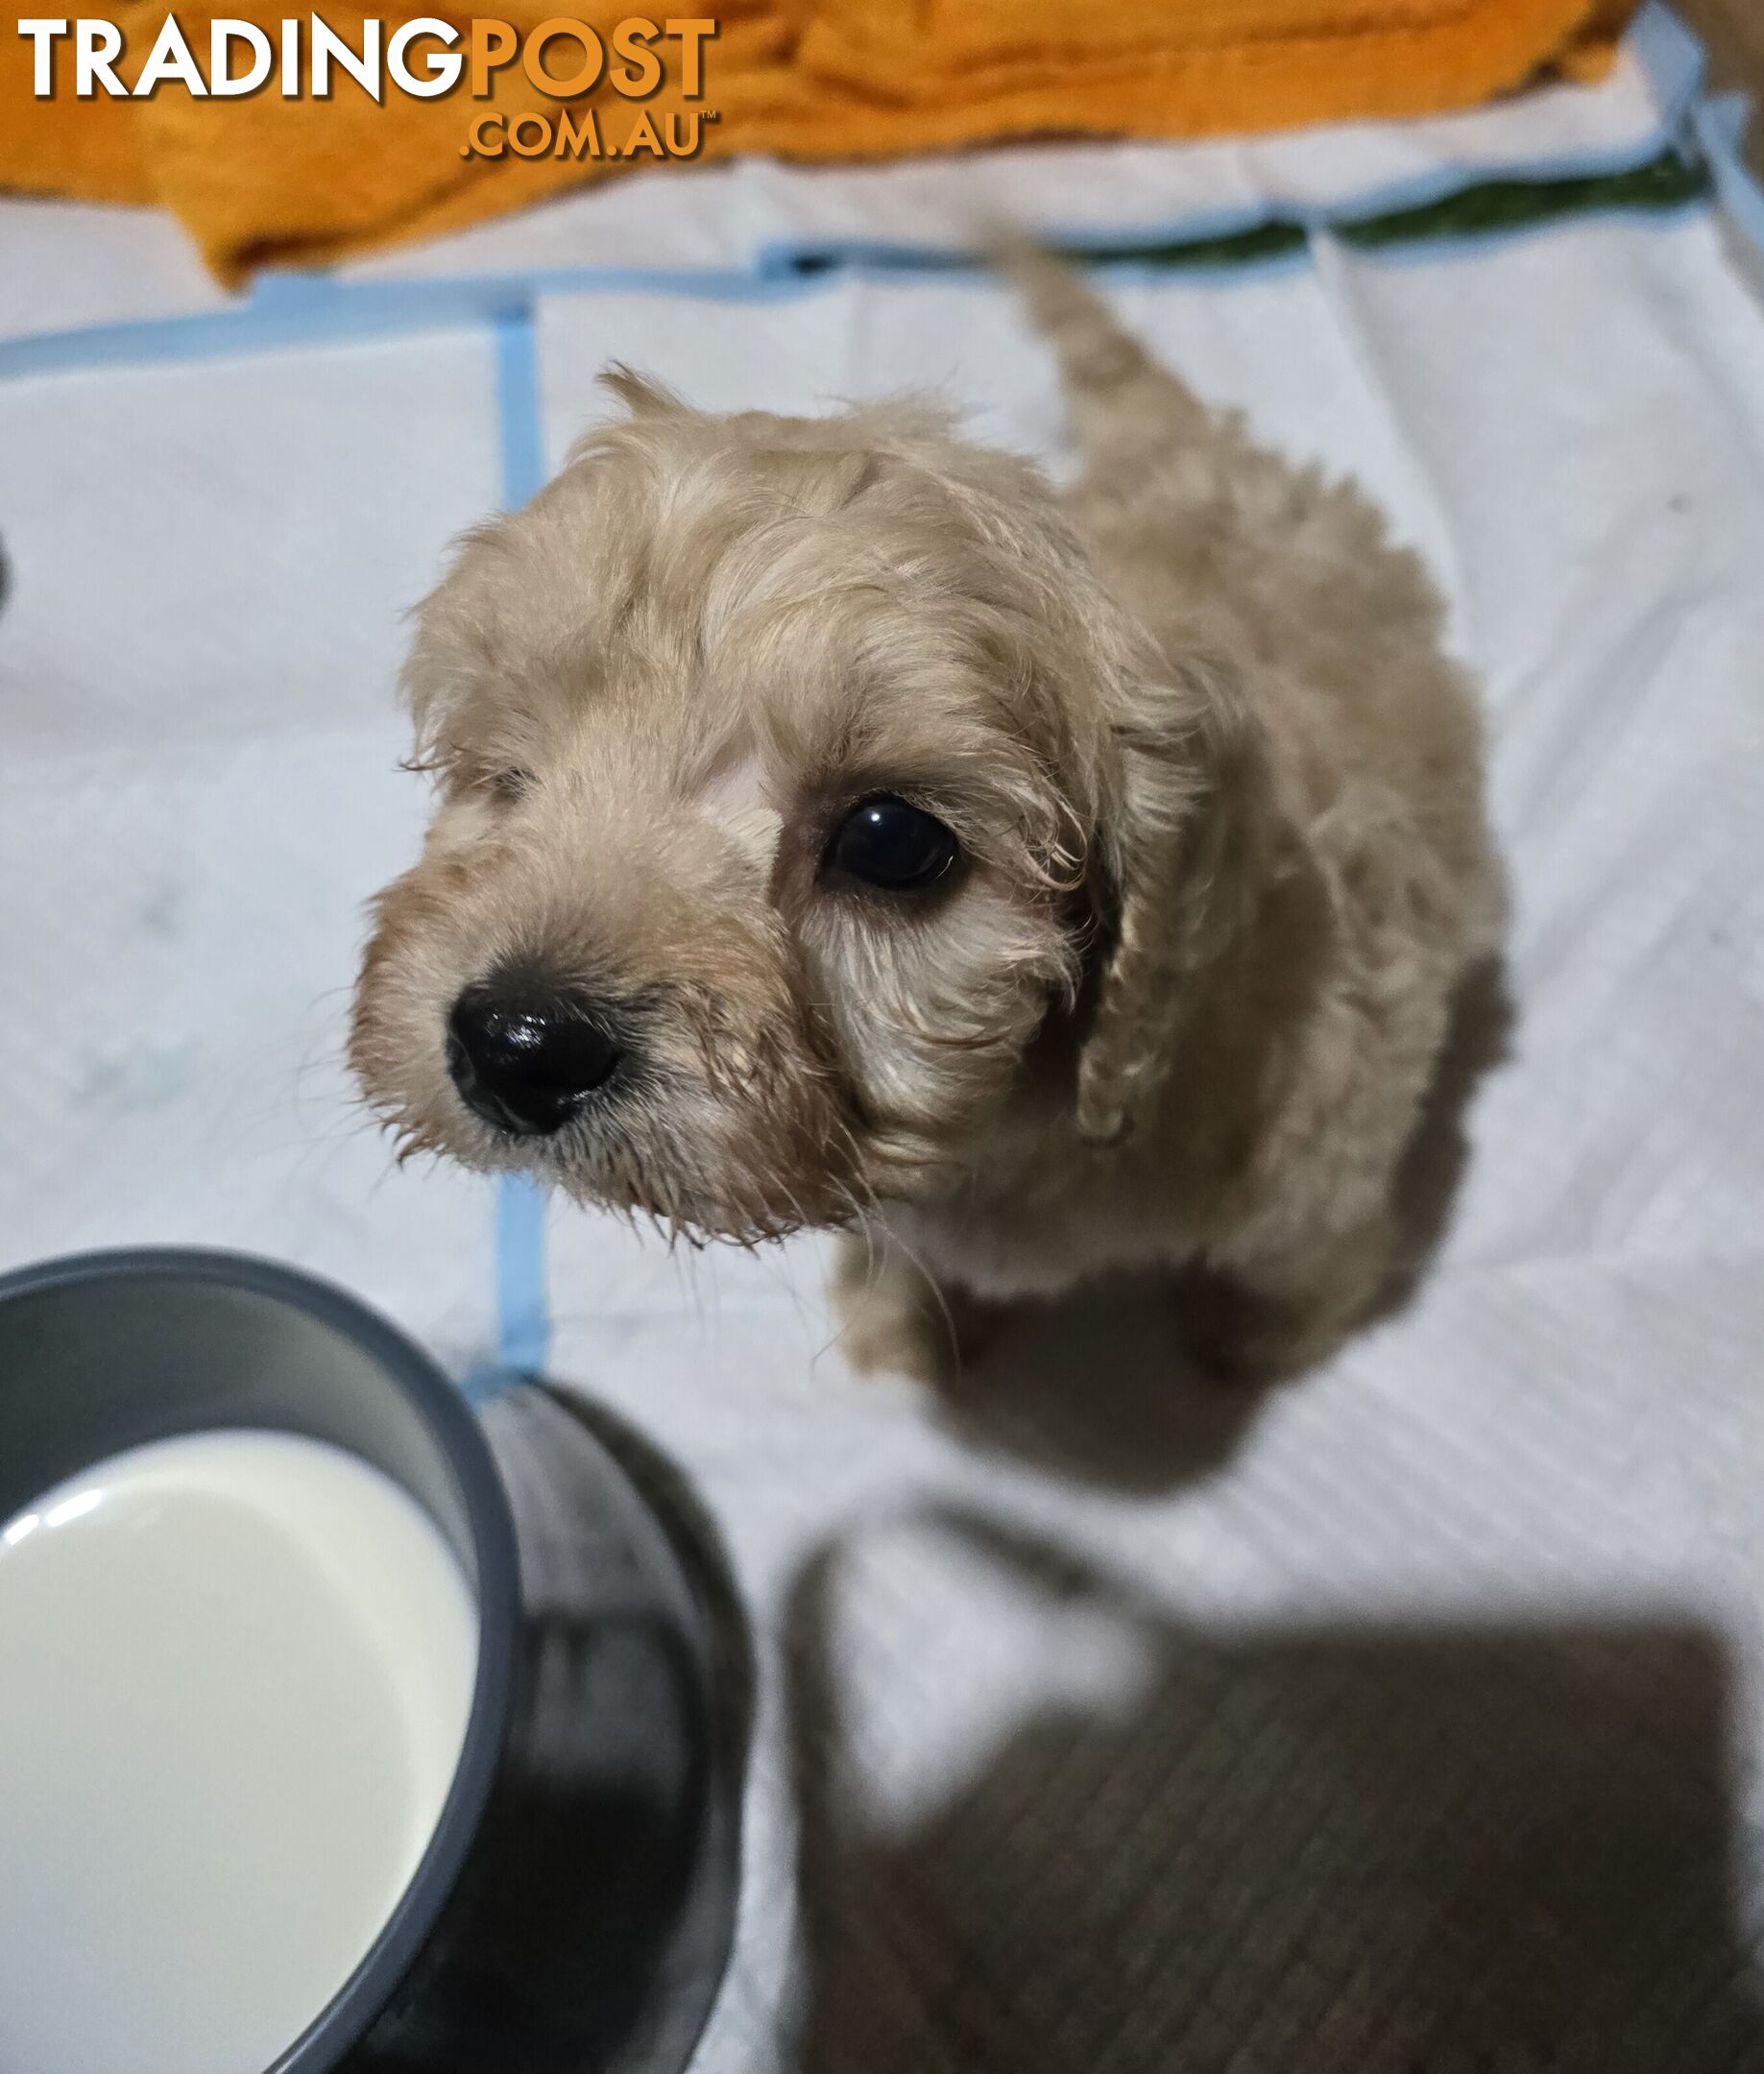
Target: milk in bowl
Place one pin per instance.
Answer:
(236, 1669)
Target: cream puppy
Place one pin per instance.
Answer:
(838, 828)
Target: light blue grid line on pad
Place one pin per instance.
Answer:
(523, 1319)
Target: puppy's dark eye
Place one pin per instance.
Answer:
(508, 785)
(887, 843)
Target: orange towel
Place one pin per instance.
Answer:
(264, 178)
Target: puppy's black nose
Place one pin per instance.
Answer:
(527, 1059)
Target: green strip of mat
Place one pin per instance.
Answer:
(1486, 208)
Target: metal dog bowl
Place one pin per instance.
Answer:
(572, 1911)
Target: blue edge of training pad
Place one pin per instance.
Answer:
(523, 1319)
(318, 308)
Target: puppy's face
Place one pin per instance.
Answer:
(770, 752)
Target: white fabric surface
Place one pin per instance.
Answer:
(198, 790)
(68, 266)
(1171, 1733)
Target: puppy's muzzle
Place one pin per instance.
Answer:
(527, 1058)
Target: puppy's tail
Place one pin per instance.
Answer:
(1120, 399)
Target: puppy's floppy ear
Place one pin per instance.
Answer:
(1181, 847)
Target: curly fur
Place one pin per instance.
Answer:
(1216, 782)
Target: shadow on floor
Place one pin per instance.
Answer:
(1482, 1850)
(1098, 1385)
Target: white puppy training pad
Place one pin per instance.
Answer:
(1411, 1719)
(198, 791)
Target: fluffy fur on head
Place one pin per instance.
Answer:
(1214, 787)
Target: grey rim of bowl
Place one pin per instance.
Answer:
(454, 1429)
